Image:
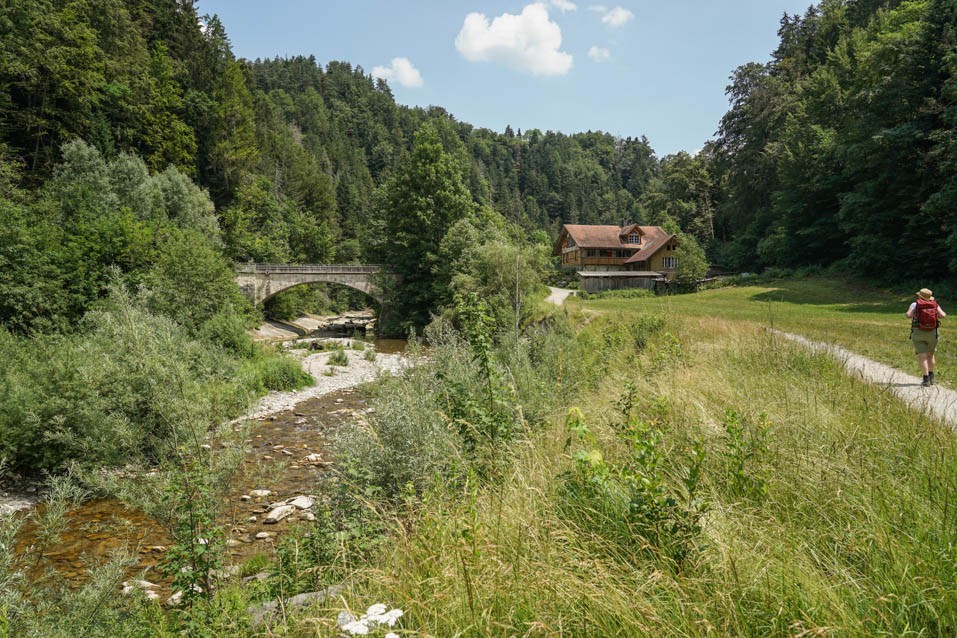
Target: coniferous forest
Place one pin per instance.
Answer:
(141, 160)
(839, 150)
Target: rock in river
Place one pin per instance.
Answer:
(301, 502)
(279, 513)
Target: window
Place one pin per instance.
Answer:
(634, 238)
(669, 263)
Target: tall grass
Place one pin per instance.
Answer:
(829, 507)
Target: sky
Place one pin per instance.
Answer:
(628, 67)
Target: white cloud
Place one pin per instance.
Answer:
(617, 17)
(598, 8)
(528, 42)
(563, 5)
(402, 72)
(598, 54)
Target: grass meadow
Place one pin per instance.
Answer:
(861, 318)
(823, 507)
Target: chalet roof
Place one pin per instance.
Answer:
(655, 243)
(626, 230)
(587, 236)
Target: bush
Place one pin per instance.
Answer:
(627, 293)
(228, 332)
(115, 393)
(338, 358)
(278, 372)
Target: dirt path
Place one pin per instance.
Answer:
(936, 401)
(559, 295)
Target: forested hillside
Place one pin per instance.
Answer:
(842, 148)
(293, 154)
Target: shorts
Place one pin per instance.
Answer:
(924, 341)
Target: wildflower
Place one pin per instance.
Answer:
(356, 628)
(375, 616)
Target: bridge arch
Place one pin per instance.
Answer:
(260, 282)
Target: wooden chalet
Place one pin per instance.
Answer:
(609, 257)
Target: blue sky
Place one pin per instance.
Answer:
(629, 67)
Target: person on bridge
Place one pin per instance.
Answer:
(925, 315)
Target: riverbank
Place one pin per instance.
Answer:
(327, 379)
(331, 378)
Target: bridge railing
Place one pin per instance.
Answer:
(310, 269)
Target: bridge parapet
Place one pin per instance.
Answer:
(261, 281)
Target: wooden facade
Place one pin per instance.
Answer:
(585, 248)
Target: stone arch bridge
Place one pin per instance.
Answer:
(259, 282)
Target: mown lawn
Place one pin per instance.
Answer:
(863, 319)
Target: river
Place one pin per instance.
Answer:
(288, 449)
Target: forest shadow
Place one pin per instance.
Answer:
(801, 293)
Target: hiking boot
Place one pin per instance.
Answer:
(926, 382)
(930, 378)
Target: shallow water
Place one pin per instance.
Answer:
(277, 447)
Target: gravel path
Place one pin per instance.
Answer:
(936, 401)
(559, 295)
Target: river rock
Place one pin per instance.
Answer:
(279, 513)
(245, 497)
(145, 586)
(308, 516)
(312, 458)
(260, 493)
(261, 536)
(232, 542)
(266, 612)
(301, 502)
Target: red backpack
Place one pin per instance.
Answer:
(925, 315)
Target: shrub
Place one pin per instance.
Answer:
(338, 358)
(112, 394)
(228, 332)
(279, 372)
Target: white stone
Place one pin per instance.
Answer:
(312, 458)
(308, 516)
(260, 493)
(279, 513)
(245, 497)
(301, 502)
(263, 536)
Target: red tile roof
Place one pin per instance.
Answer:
(609, 236)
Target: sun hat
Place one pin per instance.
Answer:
(925, 294)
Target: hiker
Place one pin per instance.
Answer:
(925, 315)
